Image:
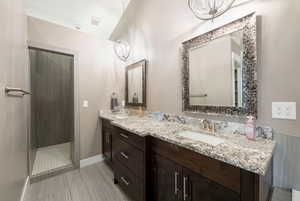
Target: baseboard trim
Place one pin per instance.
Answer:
(24, 189)
(92, 160)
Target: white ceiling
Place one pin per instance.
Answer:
(72, 13)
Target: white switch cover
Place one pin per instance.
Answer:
(284, 110)
(85, 103)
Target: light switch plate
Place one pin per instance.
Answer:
(284, 110)
(85, 103)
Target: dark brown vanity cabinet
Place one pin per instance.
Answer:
(107, 141)
(172, 182)
(196, 188)
(128, 152)
(150, 169)
(183, 175)
(166, 179)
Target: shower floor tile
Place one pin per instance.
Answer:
(52, 157)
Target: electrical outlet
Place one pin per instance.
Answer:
(284, 110)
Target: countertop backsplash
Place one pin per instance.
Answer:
(224, 126)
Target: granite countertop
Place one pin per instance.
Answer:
(236, 150)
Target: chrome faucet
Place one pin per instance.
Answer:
(209, 125)
(205, 123)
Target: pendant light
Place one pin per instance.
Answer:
(209, 9)
(122, 49)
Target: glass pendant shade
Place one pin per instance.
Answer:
(209, 9)
(122, 49)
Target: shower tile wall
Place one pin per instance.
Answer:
(52, 97)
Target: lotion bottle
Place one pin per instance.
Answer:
(250, 128)
(141, 112)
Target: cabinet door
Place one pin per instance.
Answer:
(166, 179)
(198, 188)
(107, 144)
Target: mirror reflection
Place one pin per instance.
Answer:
(216, 73)
(135, 91)
(135, 85)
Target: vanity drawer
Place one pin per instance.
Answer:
(130, 138)
(129, 156)
(129, 182)
(217, 171)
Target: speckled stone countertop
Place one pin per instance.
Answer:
(236, 150)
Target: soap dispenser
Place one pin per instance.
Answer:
(114, 102)
(250, 128)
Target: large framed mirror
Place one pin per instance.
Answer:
(135, 88)
(219, 70)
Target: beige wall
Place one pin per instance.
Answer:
(158, 28)
(99, 71)
(13, 111)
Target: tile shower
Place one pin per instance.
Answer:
(52, 111)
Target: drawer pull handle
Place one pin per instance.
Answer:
(176, 183)
(124, 136)
(124, 155)
(185, 195)
(125, 181)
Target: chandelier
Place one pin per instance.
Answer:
(122, 49)
(209, 9)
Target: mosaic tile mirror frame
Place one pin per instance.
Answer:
(248, 82)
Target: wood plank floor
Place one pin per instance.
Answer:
(93, 183)
(281, 195)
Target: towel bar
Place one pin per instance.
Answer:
(198, 95)
(16, 92)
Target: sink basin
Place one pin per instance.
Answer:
(211, 140)
(121, 116)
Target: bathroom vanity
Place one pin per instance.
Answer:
(171, 160)
(151, 161)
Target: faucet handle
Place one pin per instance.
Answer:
(214, 127)
(210, 125)
(204, 123)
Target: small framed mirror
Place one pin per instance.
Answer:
(135, 87)
(219, 70)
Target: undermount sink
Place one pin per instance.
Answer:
(121, 116)
(211, 140)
